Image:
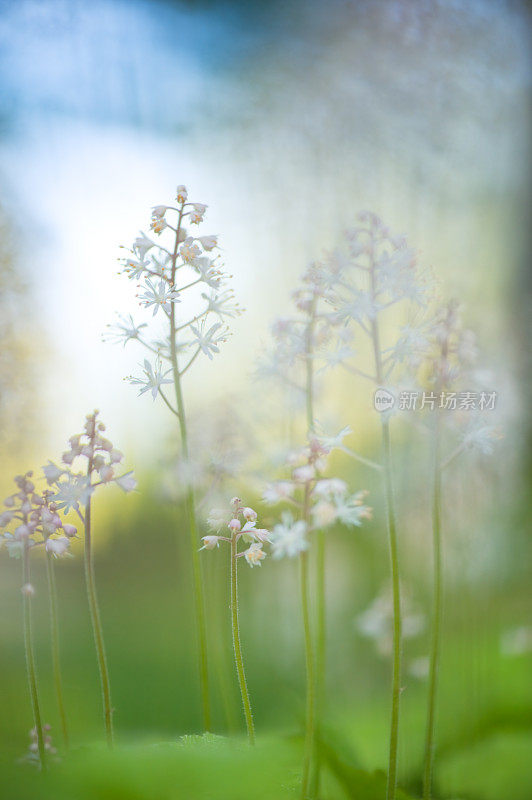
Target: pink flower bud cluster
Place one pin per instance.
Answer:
(35, 521)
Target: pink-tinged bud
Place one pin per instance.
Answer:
(5, 518)
(181, 194)
(69, 530)
(9, 501)
(249, 514)
(116, 456)
(234, 525)
(68, 457)
(235, 502)
(28, 590)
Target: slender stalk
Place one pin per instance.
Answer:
(236, 643)
(436, 618)
(397, 620)
(30, 658)
(311, 686)
(315, 675)
(391, 787)
(199, 601)
(97, 625)
(54, 630)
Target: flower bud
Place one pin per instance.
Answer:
(234, 525)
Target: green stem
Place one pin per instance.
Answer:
(309, 666)
(397, 621)
(30, 658)
(97, 626)
(391, 787)
(197, 581)
(54, 630)
(236, 643)
(436, 620)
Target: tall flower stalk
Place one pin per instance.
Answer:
(373, 273)
(302, 342)
(241, 526)
(180, 268)
(75, 491)
(56, 656)
(452, 353)
(36, 524)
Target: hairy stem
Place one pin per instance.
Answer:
(97, 626)
(199, 601)
(239, 661)
(30, 657)
(56, 660)
(436, 619)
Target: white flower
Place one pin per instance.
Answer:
(222, 304)
(141, 245)
(161, 296)
(351, 510)
(197, 213)
(158, 224)
(210, 542)
(249, 514)
(58, 547)
(217, 518)
(304, 474)
(106, 473)
(28, 590)
(208, 272)
(126, 482)
(135, 269)
(14, 547)
(276, 492)
(189, 251)
(324, 514)
(254, 554)
(289, 537)
(330, 486)
(208, 341)
(70, 493)
(153, 380)
(334, 442)
(52, 472)
(208, 242)
(481, 437)
(159, 211)
(124, 330)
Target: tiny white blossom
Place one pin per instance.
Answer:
(161, 296)
(289, 537)
(208, 242)
(58, 547)
(197, 213)
(210, 542)
(126, 482)
(153, 380)
(52, 472)
(124, 330)
(141, 245)
(275, 492)
(254, 554)
(207, 340)
(71, 492)
(181, 194)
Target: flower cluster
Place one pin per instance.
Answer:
(241, 522)
(74, 489)
(35, 521)
(324, 501)
(179, 264)
(306, 336)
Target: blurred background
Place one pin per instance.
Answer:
(287, 119)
